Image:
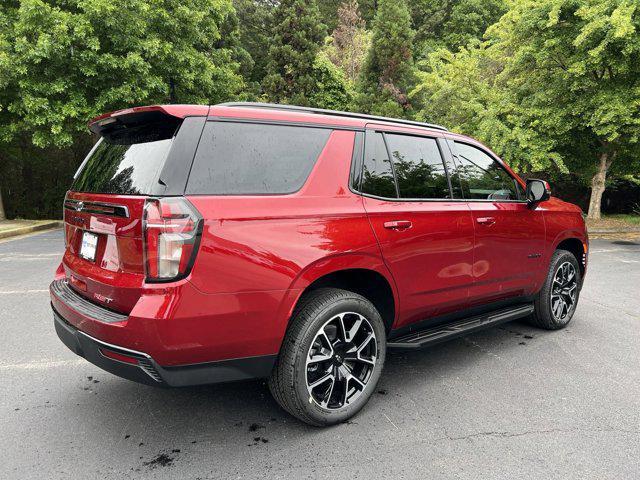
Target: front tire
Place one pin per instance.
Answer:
(331, 358)
(557, 300)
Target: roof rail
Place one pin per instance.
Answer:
(322, 111)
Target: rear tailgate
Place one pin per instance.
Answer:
(142, 154)
(115, 277)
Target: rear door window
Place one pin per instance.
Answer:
(377, 173)
(483, 178)
(418, 167)
(252, 159)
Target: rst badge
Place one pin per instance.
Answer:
(102, 298)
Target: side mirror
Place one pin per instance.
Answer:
(537, 191)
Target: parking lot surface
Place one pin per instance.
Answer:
(507, 403)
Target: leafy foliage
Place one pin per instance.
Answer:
(452, 24)
(575, 66)
(462, 91)
(388, 72)
(558, 84)
(296, 40)
(331, 16)
(552, 85)
(256, 17)
(64, 62)
(348, 44)
(72, 60)
(333, 90)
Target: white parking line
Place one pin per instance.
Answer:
(609, 250)
(42, 365)
(16, 292)
(26, 259)
(394, 425)
(23, 255)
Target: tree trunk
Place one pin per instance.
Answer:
(598, 185)
(2, 214)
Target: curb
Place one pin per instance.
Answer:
(613, 230)
(14, 232)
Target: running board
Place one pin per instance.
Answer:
(441, 333)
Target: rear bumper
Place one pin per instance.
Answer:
(145, 371)
(179, 325)
(134, 364)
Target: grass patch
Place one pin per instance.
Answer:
(618, 222)
(626, 218)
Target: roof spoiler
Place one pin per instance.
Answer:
(139, 115)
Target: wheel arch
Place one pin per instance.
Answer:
(364, 274)
(371, 284)
(577, 247)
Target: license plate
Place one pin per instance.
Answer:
(89, 244)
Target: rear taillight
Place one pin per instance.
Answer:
(172, 228)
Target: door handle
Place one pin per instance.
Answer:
(486, 220)
(398, 224)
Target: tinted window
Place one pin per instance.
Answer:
(245, 158)
(377, 176)
(481, 177)
(126, 164)
(418, 166)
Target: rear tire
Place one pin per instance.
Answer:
(331, 358)
(556, 301)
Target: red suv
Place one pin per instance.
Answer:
(217, 243)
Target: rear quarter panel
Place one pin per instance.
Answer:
(258, 253)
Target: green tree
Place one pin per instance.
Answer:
(297, 36)
(388, 73)
(255, 19)
(333, 90)
(348, 44)
(575, 73)
(452, 24)
(71, 60)
(463, 91)
(5, 59)
(557, 85)
(368, 9)
(63, 62)
(331, 16)
(329, 13)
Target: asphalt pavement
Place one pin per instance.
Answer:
(512, 402)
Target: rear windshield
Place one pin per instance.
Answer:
(254, 159)
(127, 163)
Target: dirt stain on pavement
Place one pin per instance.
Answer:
(258, 440)
(254, 427)
(161, 460)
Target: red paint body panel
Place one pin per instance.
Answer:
(257, 254)
(563, 221)
(430, 261)
(504, 256)
(118, 272)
